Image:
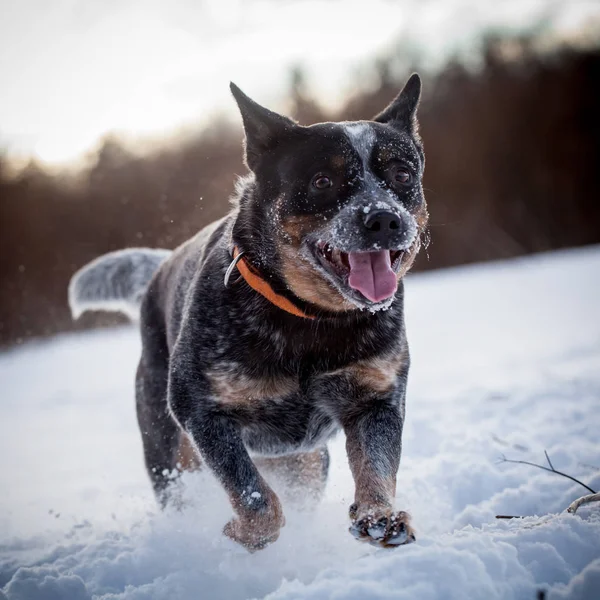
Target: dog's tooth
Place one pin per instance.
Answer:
(337, 256)
(396, 257)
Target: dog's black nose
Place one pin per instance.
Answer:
(382, 221)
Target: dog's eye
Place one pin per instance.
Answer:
(402, 176)
(322, 182)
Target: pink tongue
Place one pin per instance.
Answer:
(371, 274)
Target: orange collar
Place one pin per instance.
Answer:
(257, 283)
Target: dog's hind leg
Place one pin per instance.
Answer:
(166, 448)
(302, 475)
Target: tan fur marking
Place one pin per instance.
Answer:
(409, 258)
(376, 374)
(297, 227)
(421, 218)
(233, 388)
(338, 161)
(385, 155)
(306, 282)
(187, 455)
(301, 277)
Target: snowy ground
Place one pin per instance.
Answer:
(506, 360)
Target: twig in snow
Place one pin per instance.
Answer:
(549, 461)
(581, 501)
(551, 469)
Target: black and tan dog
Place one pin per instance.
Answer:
(283, 322)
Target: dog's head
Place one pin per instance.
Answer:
(335, 210)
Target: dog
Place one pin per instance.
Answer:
(282, 323)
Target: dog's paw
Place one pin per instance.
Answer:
(382, 528)
(254, 534)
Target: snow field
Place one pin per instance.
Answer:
(506, 360)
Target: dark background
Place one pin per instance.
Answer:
(513, 167)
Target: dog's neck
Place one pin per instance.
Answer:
(254, 279)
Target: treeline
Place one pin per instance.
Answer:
(513, 155)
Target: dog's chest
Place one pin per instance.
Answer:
(277, 413)
(231, 387)
(282, 412)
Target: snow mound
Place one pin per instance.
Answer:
(506, 360)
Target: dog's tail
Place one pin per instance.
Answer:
(115, 282)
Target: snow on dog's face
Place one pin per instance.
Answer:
(336, 209)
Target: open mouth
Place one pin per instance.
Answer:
(373, 274)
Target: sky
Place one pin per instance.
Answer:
(71, 71)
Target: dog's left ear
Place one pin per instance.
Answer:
(402, 111)
(263, 127)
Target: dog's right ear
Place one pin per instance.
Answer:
(263, 127)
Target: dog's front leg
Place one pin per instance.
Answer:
(373, 443)
(218, 439)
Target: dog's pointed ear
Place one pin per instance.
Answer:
(263, 127)
(402, 111)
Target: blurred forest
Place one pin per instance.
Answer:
(513, 161)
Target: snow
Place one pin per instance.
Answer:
(506, 360)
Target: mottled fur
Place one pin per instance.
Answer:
(226, 370)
